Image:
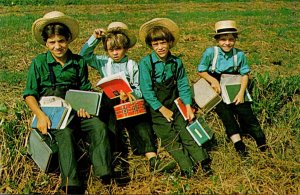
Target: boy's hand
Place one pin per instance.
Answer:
(43, 123)
(168, 114)
(239, 98)
(216, 85)
(83, 114)
(190, 113)
(99, 33)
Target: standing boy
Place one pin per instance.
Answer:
(116, 41)
(238, 116)
(52, 74)
(163, 79)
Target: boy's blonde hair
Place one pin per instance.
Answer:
(117, 40)
(157, 33)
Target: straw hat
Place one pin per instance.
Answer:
(54, 17)
(123, 28)
(164, 22)
(225, 27)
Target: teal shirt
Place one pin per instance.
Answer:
(100, 62)
(163, 71)
(224, 63)
(38, 79)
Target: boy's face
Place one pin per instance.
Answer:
(117, 54)
(58, 46)
(161, 48)
(226, 42)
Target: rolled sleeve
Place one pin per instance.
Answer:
(31, 87)
(206, 60)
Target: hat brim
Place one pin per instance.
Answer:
(129, 34)
(39, 25)
(164, 22)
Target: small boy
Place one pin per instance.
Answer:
(116, 41)
(163, 79)
(52, 74)
(238, 116)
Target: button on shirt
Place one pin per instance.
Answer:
(163, 71)
(39, 81)
(100, 63)
(225, 62)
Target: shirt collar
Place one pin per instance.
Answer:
(156, 59)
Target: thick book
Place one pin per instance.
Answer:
(90, 101)
(55, 114)
(230, 86)
(113, 85)
(43, 150)
(182, 108)
(205, 96)
(200, 131)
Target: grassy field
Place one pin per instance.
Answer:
(270, 39)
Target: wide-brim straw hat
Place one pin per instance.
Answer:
(123, 28)
(54, 17)
(225, 27)
(164, 22)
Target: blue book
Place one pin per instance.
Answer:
(55, 114)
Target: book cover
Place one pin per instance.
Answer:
(182, 108)
(205, 96)
(88, 100)
(113, 84)
(231, 90)
(55, 114)
(200, 131)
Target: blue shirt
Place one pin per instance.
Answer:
(225, 63)
(100, 63)
(163, 71)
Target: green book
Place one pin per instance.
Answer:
(88, 100)
(233, 89)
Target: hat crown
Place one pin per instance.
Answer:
(225, 24)
(120, 25)
(53, 14)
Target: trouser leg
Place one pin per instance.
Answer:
(67, 158)
(99, 149)
(195, 151)
(170, 140)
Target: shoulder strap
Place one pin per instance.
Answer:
(130, 70)
(235, 60)
(52, 76)
(214, 62)
(108, 67)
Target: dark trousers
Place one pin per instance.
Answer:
(94, 132)
(240, 119)
(177, 141)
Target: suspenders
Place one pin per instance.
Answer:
(214, 62)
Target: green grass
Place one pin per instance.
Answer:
(270, 38)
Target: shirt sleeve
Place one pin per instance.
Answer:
(206, 60)
(95, 61)
(146, 84)
(242, 60)
(183, 84)
(32, 85)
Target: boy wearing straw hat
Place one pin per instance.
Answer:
(163, 79)
(238, 116)
(117, 39)
(52, 74)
